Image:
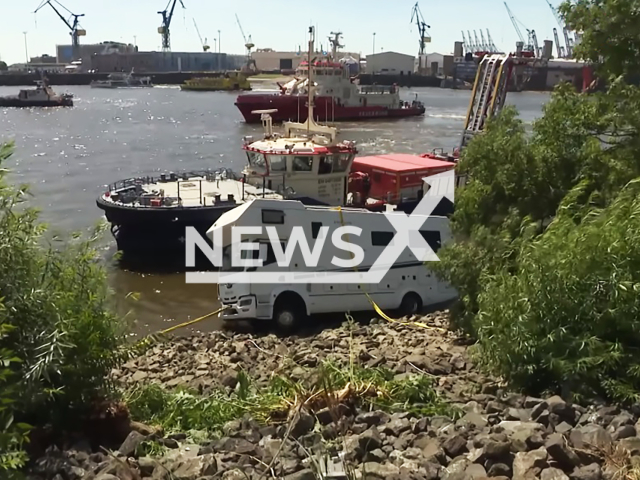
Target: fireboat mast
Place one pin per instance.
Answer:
(310, 79)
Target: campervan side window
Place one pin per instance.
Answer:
(278, 163)
(302, 164)
(381, 239)
(326, 165)
(256, 160)
(273, 217)
(433, 239)
(341, 162)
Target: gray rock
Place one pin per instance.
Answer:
(431, 471)
(75, 473)
(620, 420)
(378, 470)
(563, 428)
(531, 402)
(194, 468)
(372, 418)
(588, 472)
(476, 471)
(234, 474)
(169, 442)
(455, 446)
(522, 414)
(494, 407)
(303, 424)
(377, 456)
(499, 470)
(590, 435)
(396, 427)
(236, 445)
(557, 448)
(631, 444)
(434, 453)
(561, 408)
(534, 441)
(625, 431)
(305, 474)
(131, 443)
(510, 427)
(496, 450)
(528, 465)
(456, 470)
(472, 418)
(147, 466)
(369, 440)
(537, 410)
(553, 474)
(106, 476)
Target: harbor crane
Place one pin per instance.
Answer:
(166, 23)
(490, 44)
(567, 40)
(425, 38)
(248, 44)
(531, 44)
(72, 23)
(205, 46)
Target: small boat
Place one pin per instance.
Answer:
(231, 81)
(41, 96)
(122, 80)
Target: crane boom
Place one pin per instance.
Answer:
(416, 15)
(166, 23)
(76, 32)
(241, 30)
(515, 23)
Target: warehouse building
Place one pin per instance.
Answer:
(390, 63)
(64, 53)
(155, 62)
(269, 60)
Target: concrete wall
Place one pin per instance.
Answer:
(390, 63)
(143, 62)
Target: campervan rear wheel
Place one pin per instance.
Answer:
(288, 312)
(411, 304)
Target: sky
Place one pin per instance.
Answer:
(277, 24)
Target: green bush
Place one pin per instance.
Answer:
(569, 317)
(56, 317)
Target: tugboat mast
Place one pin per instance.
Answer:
(310, 79)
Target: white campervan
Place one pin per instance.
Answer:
(408, 285)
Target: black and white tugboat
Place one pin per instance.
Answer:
(149, 215)
(41, 96)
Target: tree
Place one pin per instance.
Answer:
(3, 66)
(610, 33)
(535, 212)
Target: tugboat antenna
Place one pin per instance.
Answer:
(310, 80)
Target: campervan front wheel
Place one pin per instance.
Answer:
(288, 312)
(411, 304)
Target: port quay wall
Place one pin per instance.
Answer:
(163, 78)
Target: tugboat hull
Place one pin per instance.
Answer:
(294, 107)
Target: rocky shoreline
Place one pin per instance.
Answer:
(486, 431)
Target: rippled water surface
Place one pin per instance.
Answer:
(69, 155)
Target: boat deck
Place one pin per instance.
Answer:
(194, 192)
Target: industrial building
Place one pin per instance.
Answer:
(157, 62)
(390, 63)
(436, 64)
(64, 53)
(268, 59)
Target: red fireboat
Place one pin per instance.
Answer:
(338, 96)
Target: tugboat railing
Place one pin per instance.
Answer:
(172, 177)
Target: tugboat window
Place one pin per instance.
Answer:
(341, 162)
(274, 217)
(326, 165)
(302, 164)
(278, 163)
(256, 160)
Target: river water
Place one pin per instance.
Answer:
(69, 155)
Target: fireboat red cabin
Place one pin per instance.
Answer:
(336, 97)
(393, 178)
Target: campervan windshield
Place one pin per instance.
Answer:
(227, 261)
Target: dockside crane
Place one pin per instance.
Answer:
(531, 45)
(490, 44)
(205, 47)
(72, 23)
(163, 30)
(416, 15)
(559, 48)
(565, 31)
(248, 44)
